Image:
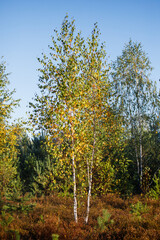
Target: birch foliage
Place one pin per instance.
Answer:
(136, 97)
(8, 132)
(73, 107)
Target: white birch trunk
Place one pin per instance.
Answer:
(90, 174)
(74, 191)
(141, 160)
(138, 168)
(140, 136)
(74, 184)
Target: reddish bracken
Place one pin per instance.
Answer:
(54, 215)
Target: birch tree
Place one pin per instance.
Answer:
(72, 108)
(97, 111)
(8, 132)
(136, 98)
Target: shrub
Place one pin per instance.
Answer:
(105, 220)
(138, 209)
(155, 191)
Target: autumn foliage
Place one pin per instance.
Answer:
(90, 169)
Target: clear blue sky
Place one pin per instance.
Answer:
(26, 27)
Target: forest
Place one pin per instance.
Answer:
(86, 163)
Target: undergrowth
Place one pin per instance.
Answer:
(110, 218)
